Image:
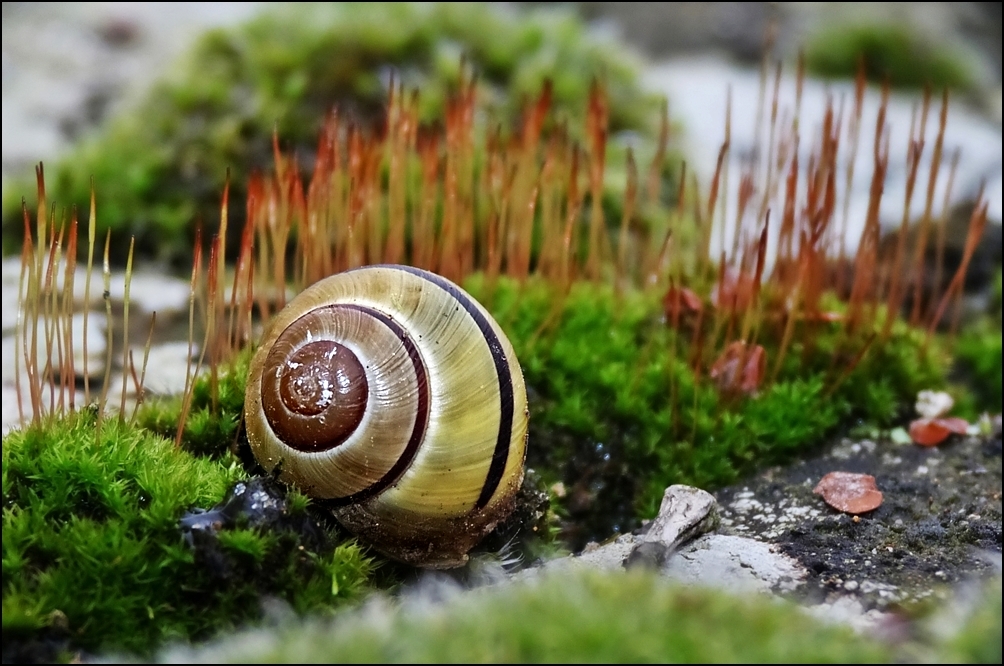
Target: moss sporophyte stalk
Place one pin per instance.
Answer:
(648, 361)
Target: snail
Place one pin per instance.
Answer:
(392, 397)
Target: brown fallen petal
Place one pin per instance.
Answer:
(955, 424)
(927, 432)
(849, 492)
(931, 432)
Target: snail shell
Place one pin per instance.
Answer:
(391, 396)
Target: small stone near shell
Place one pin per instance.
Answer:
(932, 404)
(849, 492)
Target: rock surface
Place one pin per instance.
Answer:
(675, 542)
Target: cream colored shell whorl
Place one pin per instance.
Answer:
(393, 397)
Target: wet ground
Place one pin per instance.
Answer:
(939, 522)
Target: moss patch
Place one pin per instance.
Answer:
(93, 556)
(214, 414)
(586, 617)
(979, 641)
(979, 359)
(617, 415)
(890, 52)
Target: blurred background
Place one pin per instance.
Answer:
(68, 67)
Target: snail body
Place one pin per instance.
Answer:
(391, 396)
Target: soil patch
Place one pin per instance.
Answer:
(939, 522)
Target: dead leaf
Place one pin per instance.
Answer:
(931, 432)
(849, 492)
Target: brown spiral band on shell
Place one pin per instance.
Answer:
(315, 394)
(421, 415)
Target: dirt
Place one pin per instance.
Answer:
(939, 522)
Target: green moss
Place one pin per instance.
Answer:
(979, 640)
(979, 359)
(586, 617)
(92, 549)
(617, 415)
(160, 167)
(214, 415)
(978, 352)
(890, 52)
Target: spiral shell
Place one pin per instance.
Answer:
(391, 396)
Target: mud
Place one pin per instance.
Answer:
(939, 522)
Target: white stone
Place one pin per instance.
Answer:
(50, 399)
(933, 404)
(684, 512)
(167, 365)
(745, 505)
(11, 273)
(45, 353)
(10, 414)
(736, 564)
(848, 611)
(154, 292)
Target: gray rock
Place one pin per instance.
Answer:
(736, 564)
(685, 513)
(97, 58)
(50, 400)
(849, 611)
(10, 414)
(10, 270)
(96, 348)
(153, 292)
(166, 367)
(732, 563)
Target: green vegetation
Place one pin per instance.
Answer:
(623, 415)
(93, 553)
(622, 403)
(161, 167)
(213, 416)
(979, 638)
(586, 617)
(890, 52)
(978, 353)
(610, 394)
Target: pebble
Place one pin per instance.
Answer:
(735, 564)
(10, 276)
(849, 611)
(932, 404)
(167, 367)
(96, 348)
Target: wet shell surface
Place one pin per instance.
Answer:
(391, 396)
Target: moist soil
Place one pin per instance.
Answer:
(939, 522)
